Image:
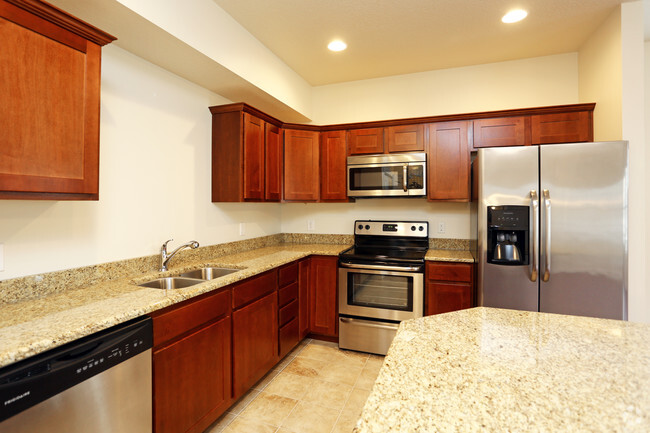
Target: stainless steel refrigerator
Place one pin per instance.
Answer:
(552, 228)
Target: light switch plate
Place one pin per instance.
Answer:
(441, 227)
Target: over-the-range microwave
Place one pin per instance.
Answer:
(392, 175)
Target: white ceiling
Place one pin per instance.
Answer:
(392, 37)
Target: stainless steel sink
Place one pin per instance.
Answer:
(171, 283)
(208, 273)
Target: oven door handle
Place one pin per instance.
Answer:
(369, 324)
(383, 268)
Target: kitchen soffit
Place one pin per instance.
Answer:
(398, 37)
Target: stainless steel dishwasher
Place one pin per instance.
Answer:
(100, 383)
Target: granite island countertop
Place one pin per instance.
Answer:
(494, 370)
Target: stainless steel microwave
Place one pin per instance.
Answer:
(396, 175)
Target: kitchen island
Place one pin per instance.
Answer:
(494, 370)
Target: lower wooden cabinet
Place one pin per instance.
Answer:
(288, 292)
(323, 310)
(449, 287)
(304, 267)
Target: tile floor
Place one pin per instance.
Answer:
(316, 388)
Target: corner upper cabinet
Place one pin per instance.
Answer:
(246, 155)
(301, 165)
(448, 161)
(50, 73)
(333, 169)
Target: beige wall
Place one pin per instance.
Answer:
(154, 181)
(600, 77)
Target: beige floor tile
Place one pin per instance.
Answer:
(340, 373)
(221, 423)
(264, 382)
(346, 421)
(353, 359)
(311, 418)
(284, 362)
(367, 378)
(321, 353)
(269, 409)
(325, 343)
(375, 362)
(305, 367)
(328, 394)
(243, 425)
(289, 385)
(283, 430)
(243, 401)
(357, 399)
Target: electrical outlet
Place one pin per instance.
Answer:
(311, 225)
(242, 229)
(441, 227)
(2, 257)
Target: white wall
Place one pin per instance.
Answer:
(647, 167)
(539, 81)
(154, 181)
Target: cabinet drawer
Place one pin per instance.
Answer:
(289, 337)
(289, 312)
(254, 288)
(288, 294)
(177, 320)
(288, 274)
(461, 272)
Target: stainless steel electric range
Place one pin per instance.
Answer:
(381, 282)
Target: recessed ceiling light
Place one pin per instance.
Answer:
(337, 45)
(514, 16)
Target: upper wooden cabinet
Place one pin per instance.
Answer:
(569, 127)
(253, 158)
(273, 167)
(448, 163)
(502, 131)
(405, 138)
(301, 165)
(365, 141)
(50, 66)
(333, 169)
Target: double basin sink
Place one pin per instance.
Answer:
(187, 279)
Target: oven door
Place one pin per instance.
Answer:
(387, 180)
(373, 292)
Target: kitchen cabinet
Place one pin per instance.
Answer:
(304, 267)
(568, 127)
(50, 76)
(449, 287)
(333, 172)
(246, 155)
(365, 141)
(502, 131)
(254, 330)
(448, 164)
(192, 363)
(301, 165)
(405, 138)
(288, 287)
(323, 308)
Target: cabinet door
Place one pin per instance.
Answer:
(273, 169)
(254, 342)
(301, 165)
(449, 161)
(49, 115)
(303, 297)
(446, 297)
(562, 127)
(365, 141)
(323, 310)
(253, 158)
(405, 138)
(192, 380)
(333, 170)
(503, 131)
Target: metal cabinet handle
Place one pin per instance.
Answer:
(382, 267)
(369, 324)
(534, 203)
(405, 183)
(547, 236)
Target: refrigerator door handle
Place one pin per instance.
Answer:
(534, 203)
(547, 236)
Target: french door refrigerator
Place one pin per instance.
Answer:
(552, 228)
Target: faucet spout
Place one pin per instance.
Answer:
(165, 257)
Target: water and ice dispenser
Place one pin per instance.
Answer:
(508, 235)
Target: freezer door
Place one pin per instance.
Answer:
(584, 229)
(506, 177)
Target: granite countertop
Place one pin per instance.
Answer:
(32, 326)
(462, 256)
(494, 370)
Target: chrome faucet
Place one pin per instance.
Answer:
(165, 258)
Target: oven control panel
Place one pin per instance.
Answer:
(418, 229)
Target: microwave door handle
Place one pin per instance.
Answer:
(405, 184)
